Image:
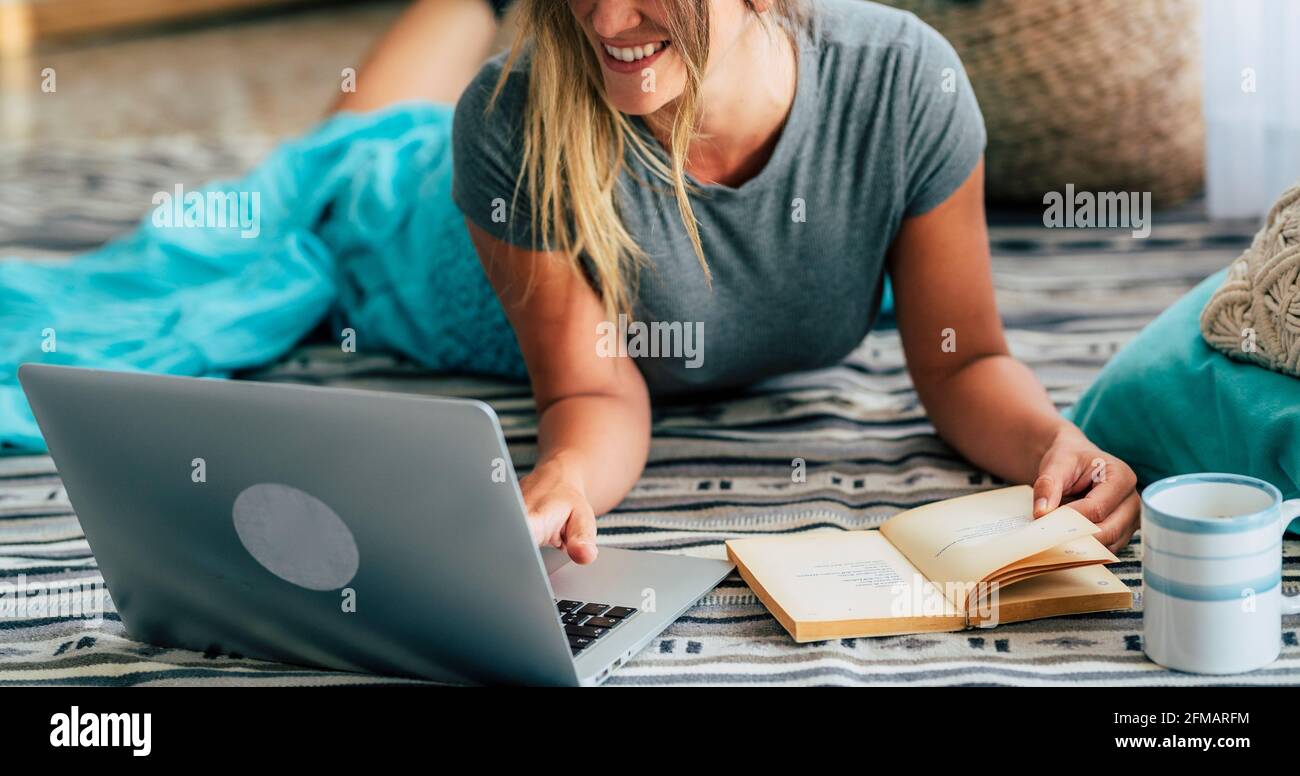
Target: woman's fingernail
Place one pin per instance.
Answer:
(1040, 505)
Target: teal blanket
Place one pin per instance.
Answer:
(352, 224)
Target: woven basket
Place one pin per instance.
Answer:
(1104, 94)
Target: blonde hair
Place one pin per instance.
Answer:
(575, 141)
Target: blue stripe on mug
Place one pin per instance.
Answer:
(1199, 525)
(1229, 592)
(1265, 551)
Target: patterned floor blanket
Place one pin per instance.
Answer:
(717, 471)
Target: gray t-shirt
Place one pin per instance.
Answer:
(884, 126)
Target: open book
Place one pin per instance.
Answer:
(977, 560)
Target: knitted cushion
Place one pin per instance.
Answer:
(1255, 315)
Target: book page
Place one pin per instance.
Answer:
(965, 541)
(836, 576)
(1076, 552)
(1070, 591)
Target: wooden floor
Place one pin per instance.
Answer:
(266, 75)
(26, 22)
(231, 78)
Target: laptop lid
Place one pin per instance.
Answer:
(347, 529)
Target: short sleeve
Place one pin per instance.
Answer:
(487, 154)
(946, 134)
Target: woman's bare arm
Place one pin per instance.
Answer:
(430, 53)
(594, 432)
(983, 402)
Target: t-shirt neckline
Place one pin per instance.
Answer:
(796, 123)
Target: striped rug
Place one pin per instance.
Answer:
(1070, 299)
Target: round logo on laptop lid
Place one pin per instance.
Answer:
(295, 536)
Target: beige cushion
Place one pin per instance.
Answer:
(1255, 314)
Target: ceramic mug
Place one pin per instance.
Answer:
(1212, 598)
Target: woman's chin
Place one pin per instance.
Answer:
(635, 102)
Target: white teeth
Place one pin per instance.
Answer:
(634, 53)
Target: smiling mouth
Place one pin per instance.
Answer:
(633, 54)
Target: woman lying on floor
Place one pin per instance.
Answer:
(749, 172)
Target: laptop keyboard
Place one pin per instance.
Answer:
(585, 623)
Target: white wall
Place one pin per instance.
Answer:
(1252, 137)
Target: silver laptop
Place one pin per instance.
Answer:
(346, 529)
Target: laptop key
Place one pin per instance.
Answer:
(584, 631)
(579, 643)
(620, 612)
(593, 609)
(567, 606)
(601, 622)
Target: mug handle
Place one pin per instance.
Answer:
(1290, 511)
